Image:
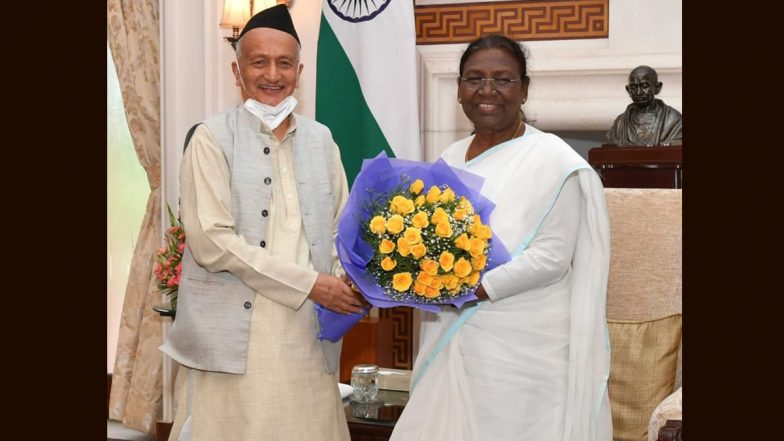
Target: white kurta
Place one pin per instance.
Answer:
(530, 364)
(285, 393)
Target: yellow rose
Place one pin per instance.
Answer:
(439, 215)
(420, 220)
(413, 235)
(403, 248)
(484, 232)
(378, 224)
(460, 214)
(401, 281)
(429, 266)
(419, 288)
(443, 229)
(466, 205)
(386, 246)
(462, 242)
(447, 196)
(418, 250)
(433, 194)
(401, 205)
(416, 186)
(462, 267)
(420, 200)
(450, 281)
(479, 262)
(473, 279)
(395, 224)
(388, 264)
(477, 247)
(425, 278)
(431, 292)
(447, 260)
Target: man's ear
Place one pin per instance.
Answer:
(658, 88)
(627, 90)
(236, 71)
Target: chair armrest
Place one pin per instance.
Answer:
(671, 431)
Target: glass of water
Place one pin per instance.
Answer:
(364, 380)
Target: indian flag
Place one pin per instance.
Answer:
(366, 83)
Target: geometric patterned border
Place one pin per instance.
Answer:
(402, 335)
(520, 21)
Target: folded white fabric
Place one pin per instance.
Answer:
(345, 390)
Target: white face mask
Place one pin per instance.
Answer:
(271, 116)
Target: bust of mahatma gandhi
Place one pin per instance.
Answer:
(647, 121)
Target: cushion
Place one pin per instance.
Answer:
(642, 373)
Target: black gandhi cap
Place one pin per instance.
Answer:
(276, 17)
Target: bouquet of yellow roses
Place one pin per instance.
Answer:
(413, 234)
(429, 248)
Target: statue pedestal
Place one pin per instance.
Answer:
(638, 166)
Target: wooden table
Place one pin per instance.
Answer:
(375, 421)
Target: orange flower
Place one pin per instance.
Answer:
(431, 292)
(429, 266)
(413, 235)
(416, 186)
(466, 205)
(479, 262)
(433, 195)
(477, 247)
(425, 278)
(395, 224)
(448, 195)
(439, 216)
(419, 288)
(447, 260)
(450, 281)
(443, 229)
(403, 248)
(418, 250)
(420, 200)
(420, 220)
(401, 281)
(460, 214)
(401, 205)
(462, 267)
(388, 264)
(473, 279)
(462, 242)
(378, 224)
(484, 232)
(386, 246)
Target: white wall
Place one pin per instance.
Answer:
(577, 85)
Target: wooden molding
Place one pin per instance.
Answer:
(521, 21)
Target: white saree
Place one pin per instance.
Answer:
(533, 363)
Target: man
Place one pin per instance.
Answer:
(647, 121)
(261, 190)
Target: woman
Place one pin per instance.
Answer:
(530, 360)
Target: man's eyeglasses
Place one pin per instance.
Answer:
(474, 83)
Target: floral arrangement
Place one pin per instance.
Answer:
(428, 247)
(403, 245)
(168, 265)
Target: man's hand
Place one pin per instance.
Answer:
(336, 295)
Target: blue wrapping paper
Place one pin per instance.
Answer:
(383, 174)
